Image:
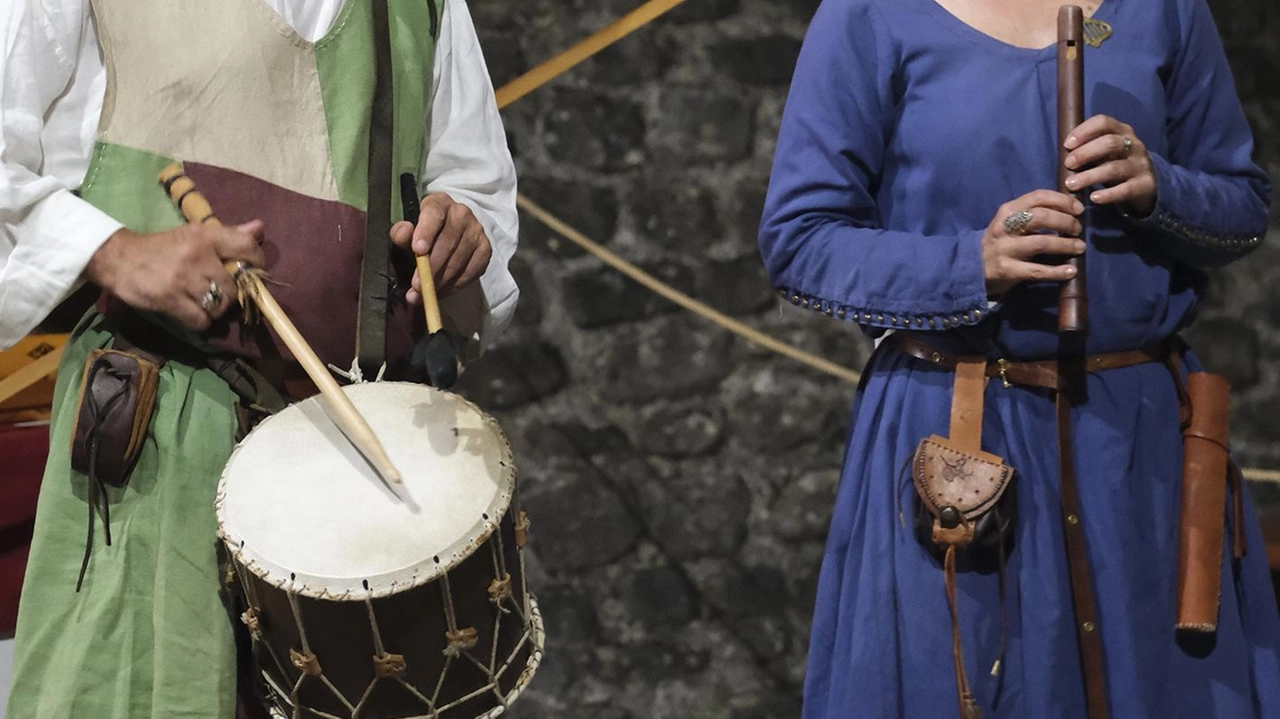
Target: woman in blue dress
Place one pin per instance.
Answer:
(916, 134)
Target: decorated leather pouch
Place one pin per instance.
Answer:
(965, 495)
(117, 400)
(964, 500)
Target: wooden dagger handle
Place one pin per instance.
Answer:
(1073, 302)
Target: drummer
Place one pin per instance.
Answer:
(265, 110)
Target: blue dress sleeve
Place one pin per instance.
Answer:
(820, 237)
(1211, 199)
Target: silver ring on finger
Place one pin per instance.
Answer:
(1016, 224)
(212, 298)
(1128, 146)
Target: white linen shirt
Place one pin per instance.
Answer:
(52, 83)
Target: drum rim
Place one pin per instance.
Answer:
(423, 572)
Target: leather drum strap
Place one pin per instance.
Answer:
(1071, 381)
(371, 321)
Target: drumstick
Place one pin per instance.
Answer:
(1073, 307)
(196, 209)
(430, 302)
(435, 353)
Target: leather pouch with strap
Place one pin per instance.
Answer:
(965, 505)
(117, 401)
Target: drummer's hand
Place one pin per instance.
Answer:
(1008, 255)
(170, 271)
(1107, 152)
(451, 235)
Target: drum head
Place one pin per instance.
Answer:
(301, 508)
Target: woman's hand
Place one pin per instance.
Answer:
(1107, 152)
(450, 234)
(1015, 236)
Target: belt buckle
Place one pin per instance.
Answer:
(1003, 364)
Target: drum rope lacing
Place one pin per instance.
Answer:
(567, 60)
(390, 666)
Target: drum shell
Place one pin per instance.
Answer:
(412, 623)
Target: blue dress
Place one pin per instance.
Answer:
(904, 132)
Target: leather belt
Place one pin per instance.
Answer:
(1066, 379)
(1043, 373)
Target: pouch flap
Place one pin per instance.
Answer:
(947, 476)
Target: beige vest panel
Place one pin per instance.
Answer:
(223, 82)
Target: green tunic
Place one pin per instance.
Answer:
(147, 635)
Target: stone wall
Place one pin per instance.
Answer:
(681, 480)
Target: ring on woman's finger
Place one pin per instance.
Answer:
(1128, 146)
(211, 298)
(1016, 224)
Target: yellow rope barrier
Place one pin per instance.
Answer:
(1253, 474)
(657, 286)
(562, 63)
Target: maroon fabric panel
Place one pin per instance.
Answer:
(13, 565)
(313, 249)
(23, 452)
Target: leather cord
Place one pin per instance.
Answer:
(375, 269)
(98, 501)
(968, 704)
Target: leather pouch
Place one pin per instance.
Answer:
(117, 400)
(963, 504)
(962, 495)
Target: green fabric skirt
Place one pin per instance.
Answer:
(147, 635)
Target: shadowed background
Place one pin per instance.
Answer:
(680, 481)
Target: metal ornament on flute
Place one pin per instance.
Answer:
(344, 414)
(1073, 302)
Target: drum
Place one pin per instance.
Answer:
(366, 600)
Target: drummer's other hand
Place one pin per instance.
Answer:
(1108, 153)
(449, 233)
(170, 271)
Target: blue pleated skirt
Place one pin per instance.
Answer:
(881, 646)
